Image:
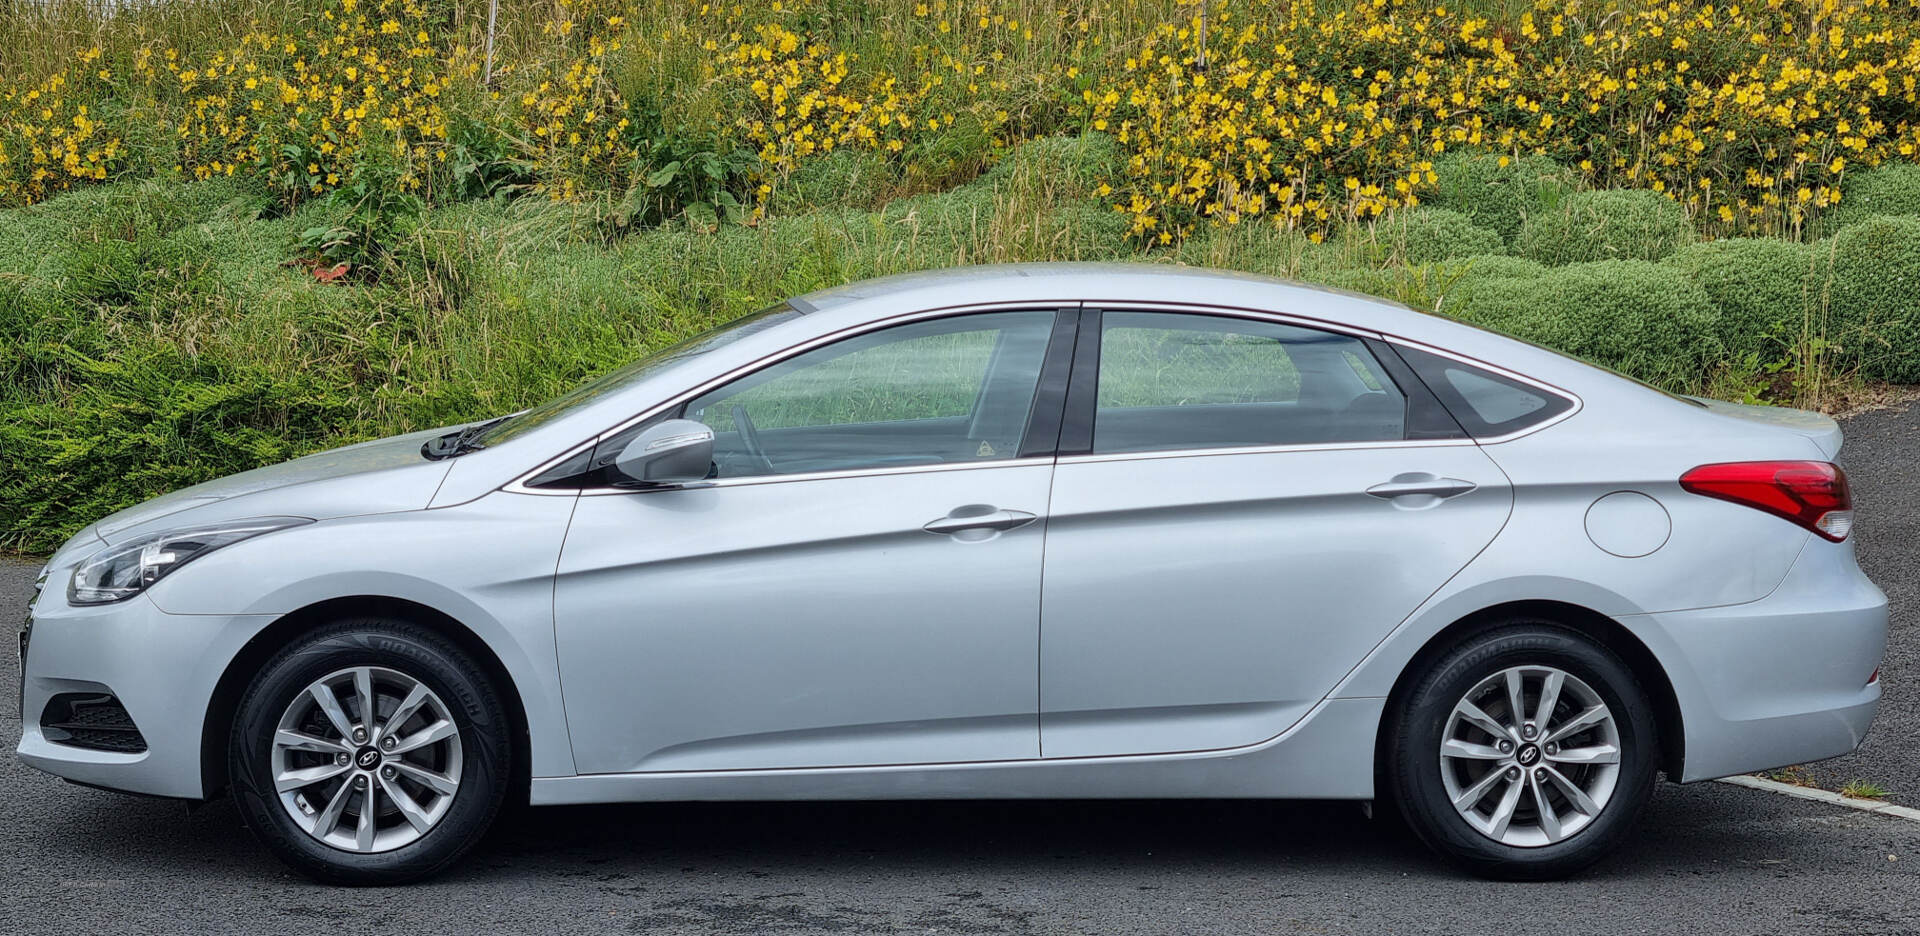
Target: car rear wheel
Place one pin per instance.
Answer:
(1527, 752)
(371, 751)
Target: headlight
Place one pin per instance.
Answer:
(121, 572)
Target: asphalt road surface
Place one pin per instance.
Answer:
(1709, 858)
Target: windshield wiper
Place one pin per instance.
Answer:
(460, 441)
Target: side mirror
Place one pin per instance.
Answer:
(672, 452)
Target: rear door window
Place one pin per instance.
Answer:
(1172, 381)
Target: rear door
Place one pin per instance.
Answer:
(1242, 509)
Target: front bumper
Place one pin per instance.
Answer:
(162, 667)
(26, 637)
(1782, 680)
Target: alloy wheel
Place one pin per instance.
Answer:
(366, 759)
(1530, 756)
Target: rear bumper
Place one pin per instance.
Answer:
(1782, 680)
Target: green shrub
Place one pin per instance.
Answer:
(33, 334)
(370, 215)
(1612, 224)
(167, 341)
(1641, 318)
(1035, 204)
(1499, 197)
(700, 183)
(1492, 266)
(153, 335)
(950, 155)
(1888, 189)
(1455, 281)
(1422, 235)
(481, 160)
(844, 178)
(1874, 296)
(1767, 291)
(1251, 248)
(149, 270)
(1401, 257)
(1366, 280)
(143, 424)
(1074, 165)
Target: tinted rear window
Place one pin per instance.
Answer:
(1485, 403)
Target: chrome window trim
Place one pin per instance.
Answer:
(1262, 450)
(1534, 382)
(819, 476)
(519, 485)
(1218, 311)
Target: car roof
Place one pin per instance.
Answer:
(1094, 283)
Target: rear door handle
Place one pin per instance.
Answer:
(1414, 483)
(978, 519)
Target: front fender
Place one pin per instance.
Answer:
(487, 564)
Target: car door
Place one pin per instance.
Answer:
(1242, 509)
(857, 584)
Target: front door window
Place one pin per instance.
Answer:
(948, 391)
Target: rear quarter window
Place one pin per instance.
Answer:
(1485, 403)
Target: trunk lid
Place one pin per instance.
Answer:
(1824, 432)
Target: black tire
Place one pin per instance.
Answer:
(1414, 765)
(475, 708)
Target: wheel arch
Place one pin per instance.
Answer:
(225, 702)
(1606, 631)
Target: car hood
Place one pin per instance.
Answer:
(381, 476)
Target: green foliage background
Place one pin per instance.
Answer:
(156, 334)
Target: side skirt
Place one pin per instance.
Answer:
(1327, 755)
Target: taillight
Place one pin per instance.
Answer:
(1812, 494)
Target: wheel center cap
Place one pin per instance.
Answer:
(367, 759)
(1528, 755)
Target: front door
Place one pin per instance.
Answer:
(858, 585)
(1250, 521)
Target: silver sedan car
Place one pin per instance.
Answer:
(1060, 531)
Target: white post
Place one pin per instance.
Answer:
(493, 11)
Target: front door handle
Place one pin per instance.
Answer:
(978, 521)
(1417, 483)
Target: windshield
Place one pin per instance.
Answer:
(623, 377)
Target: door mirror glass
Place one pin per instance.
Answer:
(670, 452)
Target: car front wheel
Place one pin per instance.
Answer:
(1525, 753)
(371, 751)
